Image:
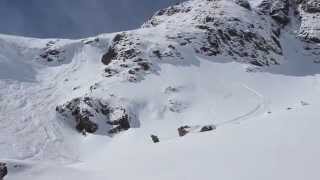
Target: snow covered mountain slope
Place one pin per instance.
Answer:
(80, 109)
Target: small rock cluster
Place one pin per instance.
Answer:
(92, 115)
(125, 56)
(51, 53)
(184, 130)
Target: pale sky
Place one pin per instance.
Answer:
(74, 18)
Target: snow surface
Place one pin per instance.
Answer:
(267, 120)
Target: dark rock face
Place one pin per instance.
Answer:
(84, 124)
(80, 114)
(91, 115)
(118, 51)
(277, 9)
(310, 25)
(126, 55)
(119, 125)
(243, 3)
(3, 170)
(265, 6)
(312, 39)
(107, 58)
(219, 38)
(236, 42)
(311, 6)
(183, 130)
(112, 52)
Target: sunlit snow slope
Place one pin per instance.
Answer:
(186, 66)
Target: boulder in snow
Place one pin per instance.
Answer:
(3, 170)
(98, 116)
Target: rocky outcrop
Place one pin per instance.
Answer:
(311, 6)
(209, 28)
(57, 52)
(206, 27)
(310, 20)
(50, 54)
(125, 55)
(121, 124)
(93, 115)
(221, 32)
(3, 170)
(114, 53)
(183, 130)
(277, 9)
(243, 3)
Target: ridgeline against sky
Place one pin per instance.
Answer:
(74, 18)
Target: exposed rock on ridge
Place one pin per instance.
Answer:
(98, 116)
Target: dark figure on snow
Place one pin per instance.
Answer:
(155, 138)
(183, 130)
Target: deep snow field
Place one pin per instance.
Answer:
(267, 119)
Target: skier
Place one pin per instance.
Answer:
(155, 138)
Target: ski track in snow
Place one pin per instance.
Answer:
(256, 111)
(259, 109)
(39, 99)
